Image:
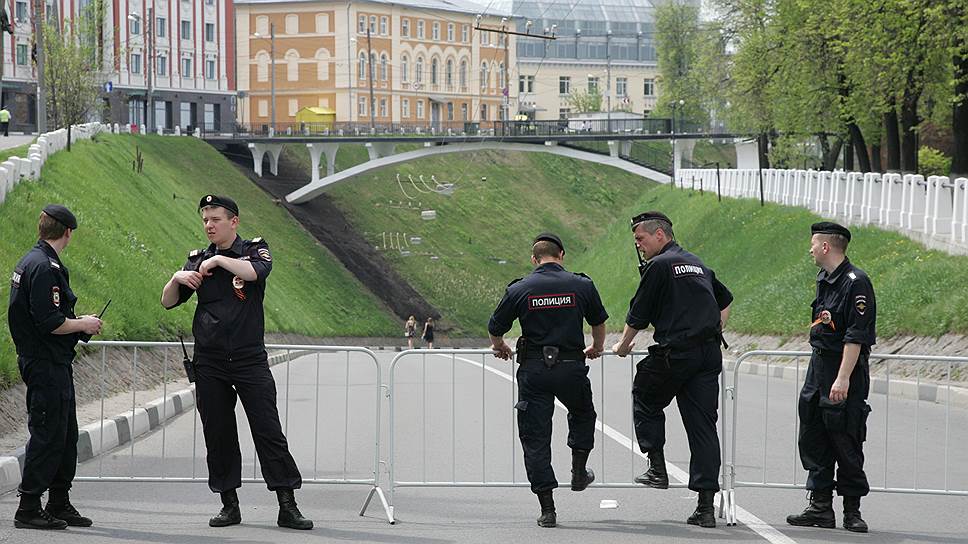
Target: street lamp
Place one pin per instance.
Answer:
(272, 73)
(148, 30)
(675, 105)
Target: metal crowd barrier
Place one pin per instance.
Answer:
(480, 424)
(881, 389)
(105, 435)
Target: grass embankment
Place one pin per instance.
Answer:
(481, 239)
(136, 229)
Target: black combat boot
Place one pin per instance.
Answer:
(852, 520)
(656, 476)
(289, 515)
(819, 513)
(59, 506)
(580, 475)
(704, 516)
(31, 516)
(230, 513)
(548, 517)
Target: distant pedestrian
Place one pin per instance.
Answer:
(5, 120)
(410, 331)
(428, 333)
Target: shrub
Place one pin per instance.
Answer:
(932, 162)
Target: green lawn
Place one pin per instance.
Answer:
(136, 229)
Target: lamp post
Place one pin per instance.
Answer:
(608, 79)
(149, 39)
(675, 106)
(272, 74)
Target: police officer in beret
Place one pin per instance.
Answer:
(833, 401)
(45, 331)
(551, 305)
(231, 361)
(687, 305)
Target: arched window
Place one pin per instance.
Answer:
(405, 69)
(462, 77)
(383, 67)
(500, 75)
(292, 65)
(418, 70)
(483, 75)
(433, 70)
(373, 66)
(362, 65)
(262, 66)
(322, 65)
(449, 73)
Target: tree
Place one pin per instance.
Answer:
(585, 101)
(71, 72)
(678, 37)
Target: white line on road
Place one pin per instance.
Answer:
(758, 526)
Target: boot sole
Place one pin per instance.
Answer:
(229, 524)
(700, 524)
(586, 484)
(285, 526)
(654, 485)
(855, 530)
(547, 525)
(832, 524)
(23, 525)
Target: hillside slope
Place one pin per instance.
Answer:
(136, 229)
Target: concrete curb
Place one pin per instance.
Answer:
(103, 436)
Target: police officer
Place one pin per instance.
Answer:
(45, 331)
(231, 361)
(551, 304)
(833, 402)
(682, 299)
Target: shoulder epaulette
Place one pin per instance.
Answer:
(514, 281)
(582, 274)
(54, 264)
(195, 253)
(852, 275)
(257, 239)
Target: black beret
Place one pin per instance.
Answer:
(62, 215)
(646, 216)
(222, 201)
(548, 237)
(826, 227)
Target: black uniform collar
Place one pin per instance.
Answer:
(832, 277)
(671, 244)
(48, 250)
(235, 248)
(549, 266)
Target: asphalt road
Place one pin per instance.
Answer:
(454, 423)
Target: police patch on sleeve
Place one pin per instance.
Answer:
(860, 304)
(15, 278)
(264, 254)
(55, 296)
(549, 302)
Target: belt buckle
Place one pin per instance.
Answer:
(550, 355)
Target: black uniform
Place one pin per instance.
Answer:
(682, 299)
(551, 304)
(843, 312)
(230, 361)
(41, 300)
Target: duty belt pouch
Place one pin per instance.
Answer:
(550, 355)
(660, 354)
(521, 349)
(188, 363)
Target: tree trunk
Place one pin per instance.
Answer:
(860, 147)
(909, 126)
(876, 158)
(892, 139)
(68, 138)
(824, 147)
(830, 159)
(849, 155)
(764, 149)
(959, 118)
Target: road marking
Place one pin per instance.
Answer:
(760, 527)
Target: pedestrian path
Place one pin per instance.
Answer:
(16, 140)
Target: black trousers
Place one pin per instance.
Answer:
(538, 387)
(832, 438)
(50, 461)
(218, 383)
(6, 128)
(692, 377)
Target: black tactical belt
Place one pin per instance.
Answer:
(562, 355)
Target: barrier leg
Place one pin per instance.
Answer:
(387, 509)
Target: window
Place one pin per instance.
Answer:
(593, 84)
(420, 30)
(361, 107)
(463, 112)
(186, 30)
(21, 11)
(362, 74)
(433, 71)
(450, 32)
(483, 75)
(420, 109)
(292, 66)
(161, 114)
(162, 69)
(262, 25)
(186, 68)
(563, 113)
(648, 89)
(322, 23)
(405, 27)
(383, 107)
(462, 77)
(485, 38)
(135, 63)
(373, 67)
(210, 69)
(211, 116)
(322, 65)
(293, 107)
(405, 107)
(450, 111)
(483, 112)
(418, 70)
(621, 86)
(564, 85)
(262, 66)
(372, 24)
(210, 32)
(405, 69)
(22, 54)
(263, 108)
(449, 73)
(383, 26)
(464, 33)
(186, 114)
(525, 84)
(135, 26)
(383, 67)
(161, 27)
(435, 33)
(361, 24)
(500, 74)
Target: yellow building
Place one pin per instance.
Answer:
(431, 67)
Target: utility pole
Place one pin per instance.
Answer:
(372, 74)
(506, 114)
(272, 63)
(503, 30)
(39, 16)
(150, 30)
(608, 77)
